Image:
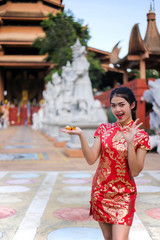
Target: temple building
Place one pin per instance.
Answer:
(22, 69)
(142, 53)
(112, 75)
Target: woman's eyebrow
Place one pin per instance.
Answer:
(117, 103)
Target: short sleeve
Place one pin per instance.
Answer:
(98, 131)
(143, 141)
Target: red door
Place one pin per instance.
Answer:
(22, 118)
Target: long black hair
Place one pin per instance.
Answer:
(128, 95)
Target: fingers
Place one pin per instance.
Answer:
(70, 132)
(126, 130)
(135, 124)
(140, 124)
(67, 131)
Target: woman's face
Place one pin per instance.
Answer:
(121, 109)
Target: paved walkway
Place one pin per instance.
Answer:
(44, 194)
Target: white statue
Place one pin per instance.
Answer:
(35, 121)
(49, 102)
(153, 96)
(58, 94)
(155, 142)
(68, 78)
(70, 99)
(83, 100)
(39, 119)
(82, 88)
(98, 113)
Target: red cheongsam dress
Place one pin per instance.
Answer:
(113, 189)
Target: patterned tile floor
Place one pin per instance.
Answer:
(45, 196)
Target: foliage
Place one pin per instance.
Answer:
(150, 73)
(96, 72)
(134, 73)
(150, 131)
(61, 32)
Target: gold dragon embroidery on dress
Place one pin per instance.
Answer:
(120, 145)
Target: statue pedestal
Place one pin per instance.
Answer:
(73, 153)
(51, 139)
(53, 130)
(73, 147)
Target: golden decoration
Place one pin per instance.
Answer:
(70, 128)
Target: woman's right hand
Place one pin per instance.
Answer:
(77, 131)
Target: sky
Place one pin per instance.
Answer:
(111, 21)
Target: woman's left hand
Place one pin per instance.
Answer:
(130, 132)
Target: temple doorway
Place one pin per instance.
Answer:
(23, 89)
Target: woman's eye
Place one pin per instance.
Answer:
(121, 105)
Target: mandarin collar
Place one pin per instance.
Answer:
(129, 123)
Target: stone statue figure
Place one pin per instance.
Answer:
(45, 105)
(83, 101)
(69, 98)
(153, 96)
(68, 78)
(58, 94)
(35, 121)
(38, 119)
(49, 102)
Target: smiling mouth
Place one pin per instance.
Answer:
(119, 116)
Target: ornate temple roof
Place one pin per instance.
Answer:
(31, 9)
(103, 56)
(114, 56)
(23, 12)
(152, 37)
(20, 26)
(20, 33)
(23, 58)
(147, 49)
(136, 44)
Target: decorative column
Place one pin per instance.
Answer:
(125, 77)
(142, 69)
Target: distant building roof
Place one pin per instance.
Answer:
(20, 33)
(139, 49)
(30, 9)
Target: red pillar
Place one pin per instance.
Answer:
(141, 86)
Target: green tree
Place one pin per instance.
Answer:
(61, 32)
(150, 73)
(96, 72)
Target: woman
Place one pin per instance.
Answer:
(122, 147)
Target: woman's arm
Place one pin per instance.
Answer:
(91, 154)
(135, 159)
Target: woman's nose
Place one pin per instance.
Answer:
(118, 108)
